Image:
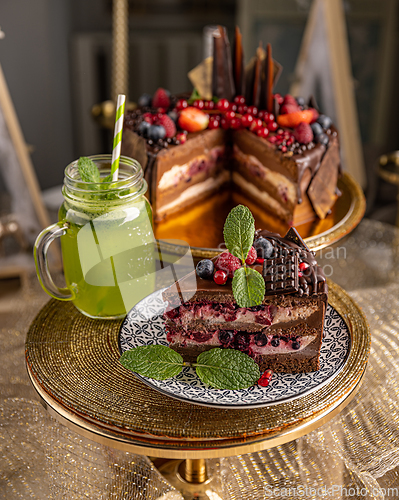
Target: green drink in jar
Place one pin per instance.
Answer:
(107, 241)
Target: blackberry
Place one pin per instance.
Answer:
(205, 269)
(260, 339)
(275, 342)
(226, 336)
(263, 247)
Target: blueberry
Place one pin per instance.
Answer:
(226, 336)
(325, 121)
(300, 101)
(173, 115)
(156, 132)
(144, 101)
(322, 138)
(296, 345)
(260, 339)
(205, 269)
(275, 342)
(263, 248)
(143, 128)
(317, 128)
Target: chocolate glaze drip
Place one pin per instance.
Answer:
(313, 280)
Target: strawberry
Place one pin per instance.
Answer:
(315, 114)
(289, 108)
(292, 120)
(161, 99)
(193, 119)
(168, 124)
(228, 263)
(303, 133)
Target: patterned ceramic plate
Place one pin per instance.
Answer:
(144, 325)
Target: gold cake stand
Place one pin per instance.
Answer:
(202, 226)
(73, 363)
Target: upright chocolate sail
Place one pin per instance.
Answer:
(222, 75)
(266, 98)
(253, 78)
(238, 63)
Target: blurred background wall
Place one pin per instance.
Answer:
(56, 57)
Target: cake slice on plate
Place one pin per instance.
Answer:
(282, 332)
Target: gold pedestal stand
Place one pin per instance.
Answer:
(73, 363)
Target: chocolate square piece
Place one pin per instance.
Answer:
(281, 273)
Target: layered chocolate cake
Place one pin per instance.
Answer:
(283, 333)
(236, 134)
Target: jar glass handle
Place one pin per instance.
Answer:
(42, 243)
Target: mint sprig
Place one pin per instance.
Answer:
(248, 287)
(239, 231)
(87, 170)
(220, 368)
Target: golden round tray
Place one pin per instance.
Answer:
(73, 363)
(202, 226)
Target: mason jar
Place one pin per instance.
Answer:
(107, 241)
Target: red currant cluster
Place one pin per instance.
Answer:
(283, 140)
(234, 115)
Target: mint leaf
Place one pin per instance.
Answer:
(248, 287)
(195, 95)
(107, 179)
(239, 231)
(87, 170)
(227, 369)
(153, 361)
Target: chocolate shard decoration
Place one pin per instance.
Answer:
(295, 237)
(321, 191)
(222, 71)
(267, 81)
(276, 107)
(238, 63)
(281, 274)
(253, 77)
(312, 103)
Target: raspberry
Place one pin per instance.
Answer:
(292, 120)
(289, 108)
(289, 99)
(251, 257)
(168, 124)
(303, 133)
(228, 263)
(161, 99)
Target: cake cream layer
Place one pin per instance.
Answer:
(193, 193)
(208, 314)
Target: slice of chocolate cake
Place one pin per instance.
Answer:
(283, 333)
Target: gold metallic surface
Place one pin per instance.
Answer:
(202, 226)
(73, 363)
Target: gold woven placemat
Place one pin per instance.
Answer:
(73, 362)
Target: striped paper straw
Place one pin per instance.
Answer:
(116, 148)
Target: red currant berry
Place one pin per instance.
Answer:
(181, 137)
(225, 123)
(213, 123)
(279, 98)
(246, 120)
(235, 123)
(181, 104)
(263, 132)
(257, 123)
(199, 104)
(252, 110)
(242, 109)
(280, 131)
(259, 261)
(239, 99)
(220, 277)
(209, 105)
(273, 139)
(284, 149)
(233, 107)
(262, 115)
(265, 378)
(230, 115)
(303, 266)
(223, 105)
(270, 117)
